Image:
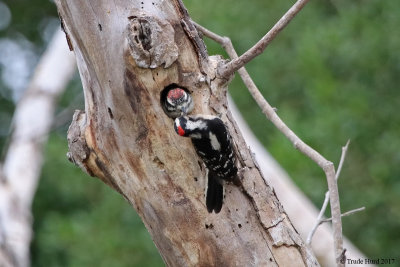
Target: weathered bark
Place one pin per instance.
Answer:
(126, 140)
(20, 173)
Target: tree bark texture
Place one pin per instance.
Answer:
(127, 53)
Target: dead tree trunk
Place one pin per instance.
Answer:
(127, 53)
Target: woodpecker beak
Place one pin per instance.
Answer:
(184, 111)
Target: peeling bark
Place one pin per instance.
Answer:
(126, 140)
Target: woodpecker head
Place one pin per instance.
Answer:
(190, 126)
(178, 102)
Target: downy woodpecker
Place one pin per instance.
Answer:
(177, 101)
(212, 143)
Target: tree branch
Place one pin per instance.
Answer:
(299, 208)
(347, 213)
(271, 115)
(326, 200)
(238, 62)
(343, 156)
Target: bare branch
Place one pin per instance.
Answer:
(326, 200)
(271, 115)
(347, 213)
(342, 157)
(213, 36)
(229, 68)
(319, 219)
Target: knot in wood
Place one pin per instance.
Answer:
(151, 42)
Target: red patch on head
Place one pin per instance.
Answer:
(181, 132)
(176, 93)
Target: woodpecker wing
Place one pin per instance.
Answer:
(212, 143)
(215, 149)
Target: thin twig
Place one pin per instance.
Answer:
(238, 62)
(319, 219)
(326, 200)
(344, 152)
(271, 115)
(347, 213)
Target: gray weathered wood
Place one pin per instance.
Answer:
(127, 52)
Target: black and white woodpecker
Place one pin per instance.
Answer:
(177, 102)
(212, 143)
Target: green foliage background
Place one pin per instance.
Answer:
(333, 74)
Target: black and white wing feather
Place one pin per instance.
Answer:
(212, 143)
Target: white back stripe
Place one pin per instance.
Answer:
(192, 125)
(214, 142)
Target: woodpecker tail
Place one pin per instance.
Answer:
(215, 194)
